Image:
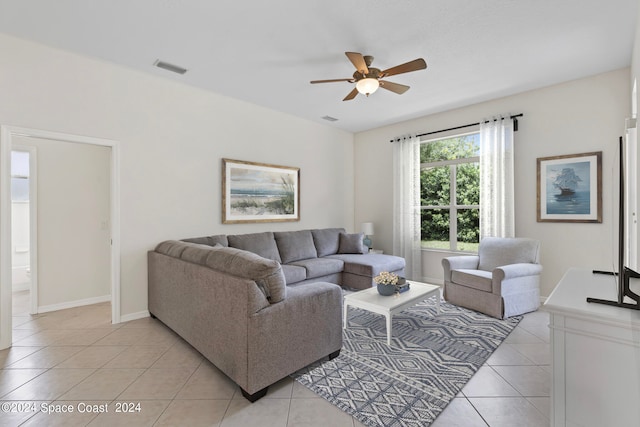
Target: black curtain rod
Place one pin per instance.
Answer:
(514, 118)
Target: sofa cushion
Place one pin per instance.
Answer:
(370, 265)
(294, 273)
(190, 252)
(265, 272)
(352, 244)
(295, 245)
(327, 240)
(174, 248)
(318, 267)
(476, 279)
(263, 244)
(220, 239)
(196, 253)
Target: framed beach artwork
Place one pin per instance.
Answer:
(259, 192)
(570, 188)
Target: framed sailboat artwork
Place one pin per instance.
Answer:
(570, 188)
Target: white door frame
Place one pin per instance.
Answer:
(6, 135)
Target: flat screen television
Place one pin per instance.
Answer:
(625, 294)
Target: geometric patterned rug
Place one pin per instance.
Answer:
(409, 383)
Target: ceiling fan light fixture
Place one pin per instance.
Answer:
(367, 86)
(367, 78)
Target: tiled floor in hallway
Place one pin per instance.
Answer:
(75, 357)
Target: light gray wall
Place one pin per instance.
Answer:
(575, 117)
(172, 138)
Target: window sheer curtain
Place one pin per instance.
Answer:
(496, 178)
(406, 204)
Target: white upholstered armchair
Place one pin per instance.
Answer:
(503, 280)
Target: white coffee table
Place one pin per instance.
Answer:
(372, 301)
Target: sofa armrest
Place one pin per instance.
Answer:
(285, 337)
(459, 262)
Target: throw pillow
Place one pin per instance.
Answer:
(352, 244)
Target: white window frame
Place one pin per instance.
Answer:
(453, 207)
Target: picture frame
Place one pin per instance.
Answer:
(259, 192)
(569, 188)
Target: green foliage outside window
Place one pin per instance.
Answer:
(441, 159)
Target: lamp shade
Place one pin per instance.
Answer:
(367, 228)
(367, 86)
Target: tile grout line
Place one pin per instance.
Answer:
(477, 411)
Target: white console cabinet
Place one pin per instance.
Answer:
(595, 354)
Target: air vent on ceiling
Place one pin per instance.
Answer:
(169, 67)
(330, 119)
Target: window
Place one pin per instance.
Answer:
(450, 193)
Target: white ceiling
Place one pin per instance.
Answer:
(266, 52)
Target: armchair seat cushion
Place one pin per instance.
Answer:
(476, 279)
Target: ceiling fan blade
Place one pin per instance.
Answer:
(351, 95)
(394, 87)
(358, 61)
(407, 67)
(331, 81)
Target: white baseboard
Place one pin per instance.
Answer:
(72, 304)
(134, 316)
(433, 280)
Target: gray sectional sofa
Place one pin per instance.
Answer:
(261, 306)
(321, 255)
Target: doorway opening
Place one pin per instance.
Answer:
(10, 140)
(24, 285)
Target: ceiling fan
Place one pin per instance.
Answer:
(368, 79)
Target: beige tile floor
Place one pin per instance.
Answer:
(76, 359)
